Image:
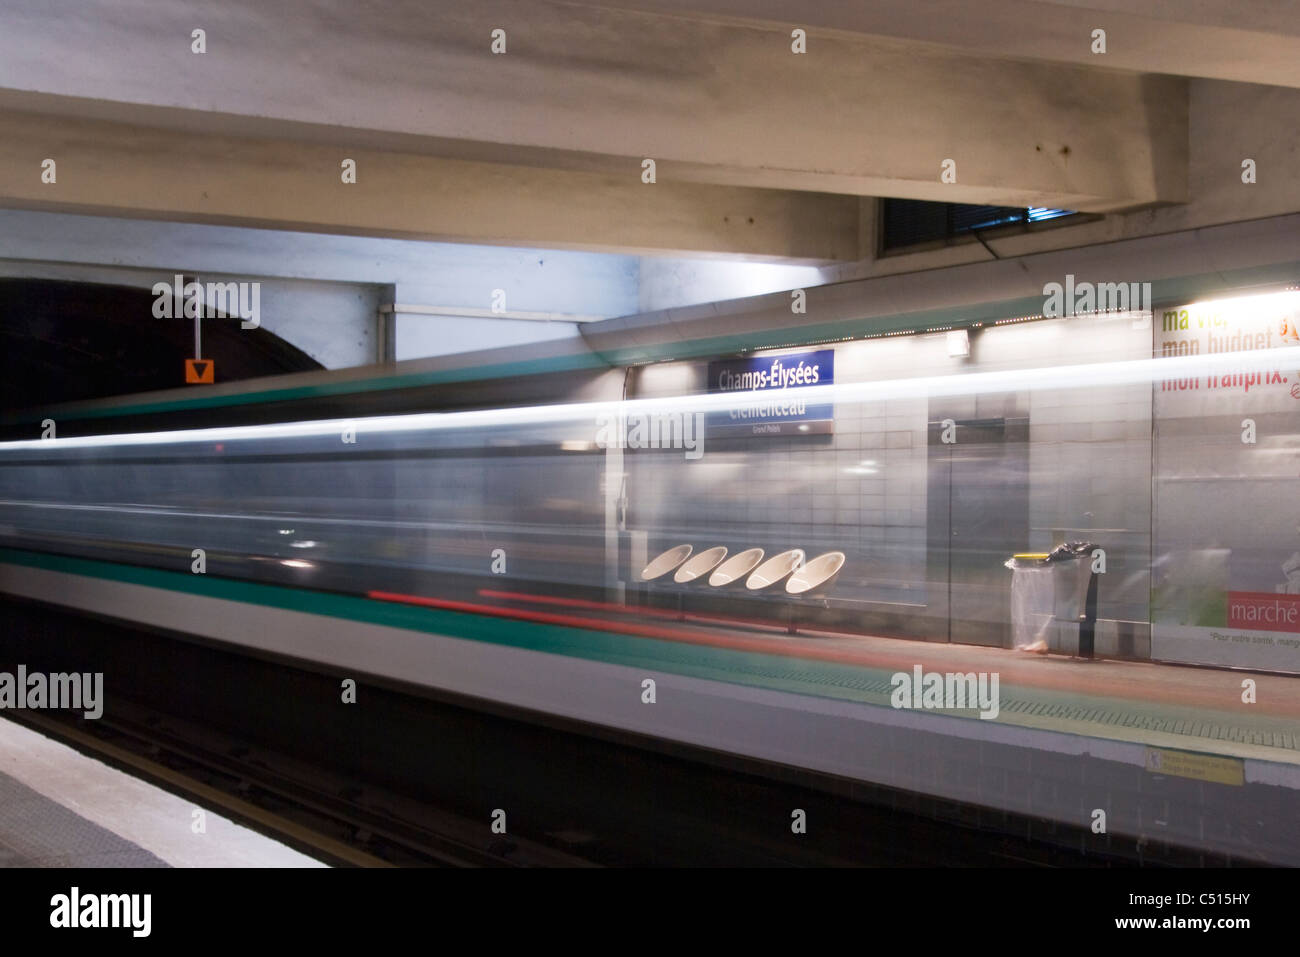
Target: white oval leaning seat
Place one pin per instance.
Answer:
(775, 570)
(700, 565)
(735, 568)
(665, 562)
(816, 578)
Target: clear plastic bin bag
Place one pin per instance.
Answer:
(1033, 603)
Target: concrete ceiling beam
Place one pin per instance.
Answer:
(143, 172)
(594, 89)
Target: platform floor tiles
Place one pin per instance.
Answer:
(60, 808)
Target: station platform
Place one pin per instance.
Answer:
(1138, 702)
(60, 808)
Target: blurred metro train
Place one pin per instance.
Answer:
(481, 526)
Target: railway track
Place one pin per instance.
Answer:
(302, 806)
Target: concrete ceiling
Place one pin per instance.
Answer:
(1249, 41)
(761, 153)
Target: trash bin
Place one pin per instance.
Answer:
(1054, 600)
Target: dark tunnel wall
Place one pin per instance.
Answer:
(66, 341)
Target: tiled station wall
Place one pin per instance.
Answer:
(863, 489)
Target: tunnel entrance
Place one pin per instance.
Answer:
(72, 341)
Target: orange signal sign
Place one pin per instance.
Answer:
(200, 371)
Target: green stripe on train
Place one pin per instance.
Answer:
(410, 380)
(775, 672)
(1028, 707)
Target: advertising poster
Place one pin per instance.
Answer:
(1226, 562)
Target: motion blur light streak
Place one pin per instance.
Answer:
(1086, 375)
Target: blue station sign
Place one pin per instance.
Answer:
(768, 394)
